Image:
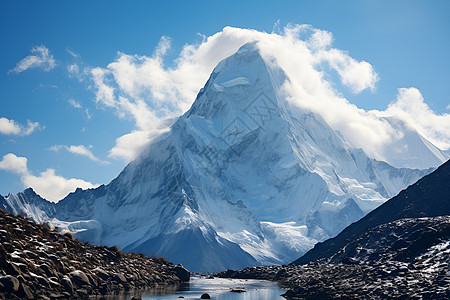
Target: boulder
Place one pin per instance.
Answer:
(101, 273)
(24, 292)
(67, 284)
(79, 278)
(10, 283)
(11, 268)
(47, 270)
(182, 273)
(119, 278)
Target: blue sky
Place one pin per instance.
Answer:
(406, 42)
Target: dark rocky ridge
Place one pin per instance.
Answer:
(39, 263)
(404, 259)
(428, 197)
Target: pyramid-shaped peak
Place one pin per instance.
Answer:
(29, 192)
(250, 48)
(237, 81)
(248, 55)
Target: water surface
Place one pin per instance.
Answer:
(217, 288)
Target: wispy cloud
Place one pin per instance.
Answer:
(80, 150)
(77, 70)
(40, 58)
(75, 103)
(11, 127)
(72, 53)
(88, 114)
(48, 184)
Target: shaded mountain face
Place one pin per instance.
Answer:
(244, 177)
(428, 197)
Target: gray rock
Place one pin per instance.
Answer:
(67, 284)
(119, 278)
(101, 273)
(11, 268)
(10, 283)
(182, 273)
(24, 292)
(46, 269)
(79, 278)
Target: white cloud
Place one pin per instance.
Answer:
(11, 127)
(411, 108)
(75, 71)
(144, 89)
(88, 114)
(72, 53)
(80, 150)
(49, 185)
(40, 58)
(31, 127)
(358, 75)
(130, 145)
(74, 103)
(14, 164)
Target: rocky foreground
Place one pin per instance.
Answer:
(39, 263)
(404, 259)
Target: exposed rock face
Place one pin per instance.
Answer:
(37, 262)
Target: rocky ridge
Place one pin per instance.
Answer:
(404, 259)
(37, 262)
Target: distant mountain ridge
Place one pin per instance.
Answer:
(245, 177)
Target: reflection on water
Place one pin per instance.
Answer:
(217, 288)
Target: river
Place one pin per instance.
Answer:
(217, 288)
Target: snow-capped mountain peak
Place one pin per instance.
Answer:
(244, 177)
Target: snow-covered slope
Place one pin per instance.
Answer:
(243, 178)
(412, 150)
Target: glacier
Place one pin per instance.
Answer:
(243, 178)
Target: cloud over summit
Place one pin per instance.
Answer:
(146, 90)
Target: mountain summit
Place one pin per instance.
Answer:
(245, 177)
